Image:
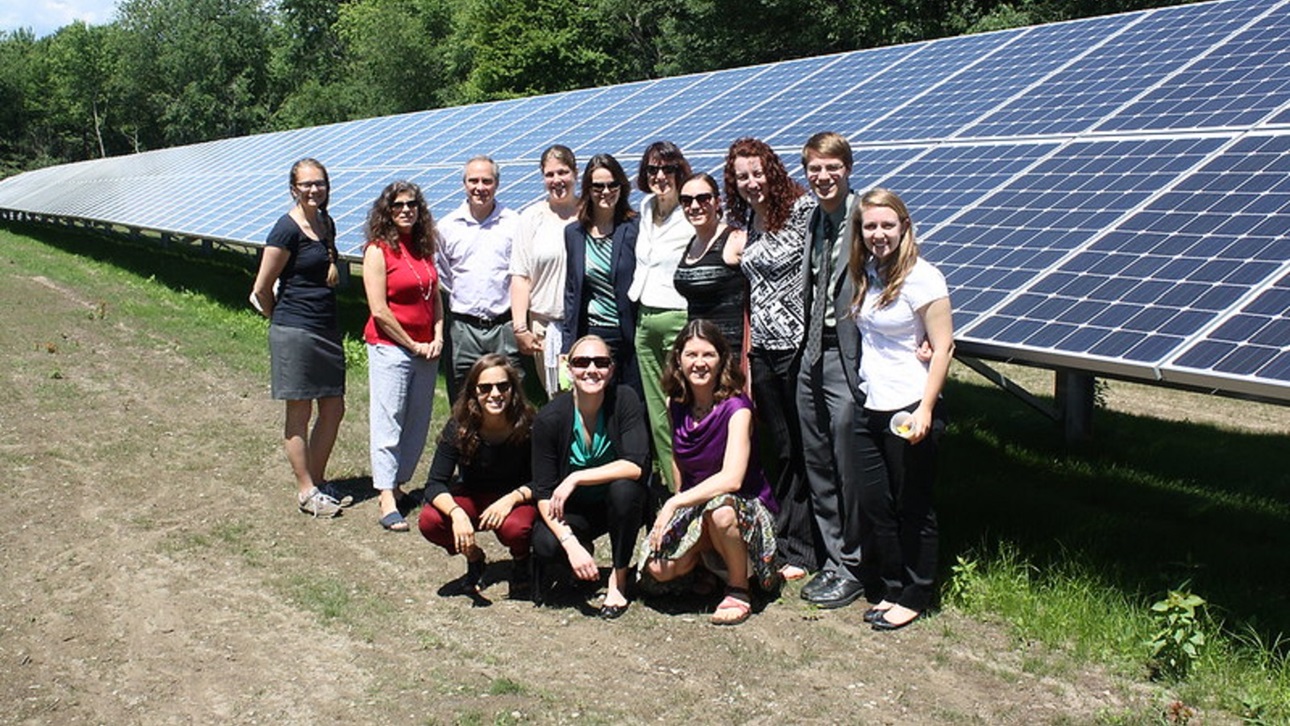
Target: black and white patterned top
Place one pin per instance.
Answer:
(772, 262)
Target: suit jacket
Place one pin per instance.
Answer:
(574, 324)
(841, 290)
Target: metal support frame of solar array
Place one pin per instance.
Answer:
(1109, 195)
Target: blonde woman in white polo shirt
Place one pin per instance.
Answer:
(899, 300)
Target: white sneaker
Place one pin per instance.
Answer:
(319, 504)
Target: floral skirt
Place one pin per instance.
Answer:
(756, 526)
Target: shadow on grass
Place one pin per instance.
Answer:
(1150, 504)
(224, 276)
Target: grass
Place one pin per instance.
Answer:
(1069, 547)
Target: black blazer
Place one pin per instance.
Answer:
(574, 324)
(842, 290)
(553, 437)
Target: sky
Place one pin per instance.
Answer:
(45, 16)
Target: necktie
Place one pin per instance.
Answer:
(822, 254)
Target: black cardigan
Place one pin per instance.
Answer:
(553, 437)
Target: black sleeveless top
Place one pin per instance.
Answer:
(715, 291)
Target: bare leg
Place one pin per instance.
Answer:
(389, 499)
(295, 431)
(616, 593)
(330, 411)
(664, 570)
(723, 526)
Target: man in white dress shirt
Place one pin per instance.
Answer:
(473, 260)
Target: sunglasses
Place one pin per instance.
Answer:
(587, 361)
(605, 186)
(397, 205)
(307, 185)
(669, 169)
(703, 199)
(484, 389)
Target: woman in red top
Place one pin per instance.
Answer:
(404, 338)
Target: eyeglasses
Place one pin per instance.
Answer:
(602, 187)
(587, 361)
(703, 199)
(397, 205)
(669, 169)
(484, 389)
(312, 184)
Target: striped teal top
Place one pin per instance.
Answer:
(602, 308)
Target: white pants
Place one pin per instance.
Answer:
(401, 387)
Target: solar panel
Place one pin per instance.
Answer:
(1110, 194)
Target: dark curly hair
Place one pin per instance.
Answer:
(730, 378)
(380, 220)
(781, 190)
(468, 416)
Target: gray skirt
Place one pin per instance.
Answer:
(305, 365)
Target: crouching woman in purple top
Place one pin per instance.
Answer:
(723, 503)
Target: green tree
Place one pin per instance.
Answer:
(199, 68)
(17, 89)
(529, 47)
(308, 65)
(83, 63)
(397, 56)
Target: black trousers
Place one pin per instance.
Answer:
(774, 382)
(896, 494)
(614, 509)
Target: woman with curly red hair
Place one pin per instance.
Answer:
(775, 211)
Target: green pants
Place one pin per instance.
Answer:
(656, 328)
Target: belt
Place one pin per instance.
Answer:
(829, 338)
(476, 321)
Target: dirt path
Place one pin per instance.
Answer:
(155, 571)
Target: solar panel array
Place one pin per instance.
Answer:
(1109, 195)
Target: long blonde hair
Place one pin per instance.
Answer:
(895, 268)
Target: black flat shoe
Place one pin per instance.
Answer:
(873, 614)
(880, 622)
(613, 612)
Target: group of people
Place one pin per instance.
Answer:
(666, 348)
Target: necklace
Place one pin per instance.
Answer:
(425, 289)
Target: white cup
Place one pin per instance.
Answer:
(902, 424)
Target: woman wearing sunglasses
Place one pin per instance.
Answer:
(404, 339)
(600, 260)
(663, 237)
(708, 274)
(486, 447)
(590, 460)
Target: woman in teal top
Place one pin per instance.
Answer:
(601, 258)
(590, 460)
